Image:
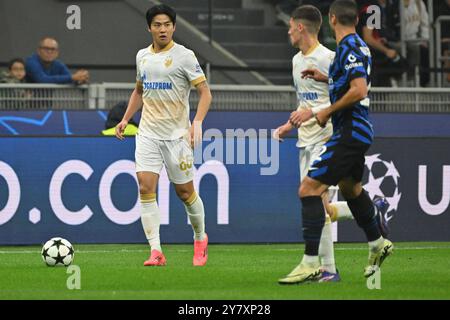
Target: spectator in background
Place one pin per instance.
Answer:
(43, 66)
(417, 26)
(14, 98)
(115, 115)
(15, 72)
(382, 42)
(443, 9)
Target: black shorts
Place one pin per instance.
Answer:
(340, 158)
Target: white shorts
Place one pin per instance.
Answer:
(176, 155)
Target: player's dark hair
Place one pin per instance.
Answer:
(346, 12)
(310, 16)
(11, 62)
(160, 9)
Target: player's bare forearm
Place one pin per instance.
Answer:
(357, 92)
(134, 104)
(204, 102)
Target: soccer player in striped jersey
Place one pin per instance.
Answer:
(341, 160)
(165, 73)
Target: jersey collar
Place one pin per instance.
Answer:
(311, 50)
(166, 48)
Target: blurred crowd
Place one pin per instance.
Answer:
(385, 42)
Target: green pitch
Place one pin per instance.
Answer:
(414, 271)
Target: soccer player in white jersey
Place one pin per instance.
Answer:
(312, 97)
(165, 73)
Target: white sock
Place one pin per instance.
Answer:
(196, 213)
(376, 244)
(341, 211)
(311, 261)
(150, 219)
(326, 247)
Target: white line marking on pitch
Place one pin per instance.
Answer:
(183, 250)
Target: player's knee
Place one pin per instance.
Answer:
(305, 191)
(183, 194)
(351, 192)
(145, 189)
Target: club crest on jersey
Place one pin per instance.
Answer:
(168, 62)
(351, 58)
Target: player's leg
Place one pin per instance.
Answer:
(178, 158)
(326, 248)
(148, 165)
(193, 205)
(339, 211)
(363, 211)
(150, 216)
(313, 218)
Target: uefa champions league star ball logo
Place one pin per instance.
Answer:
(382, 180)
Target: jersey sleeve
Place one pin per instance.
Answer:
(325, 63)
(138, 73)
(353, 65)
(192, 70)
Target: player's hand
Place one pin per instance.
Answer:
(195, 133)
(282, 131)
(120, 129)
(322, 117)
(314, 74)
(298, 117)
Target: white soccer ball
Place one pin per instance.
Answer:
(57, 252)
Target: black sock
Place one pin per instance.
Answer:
(363, 210)
(313, 217)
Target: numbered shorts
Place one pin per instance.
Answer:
(176, 156)
(307, 156)
(339, 158)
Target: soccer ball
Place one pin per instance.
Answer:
(57, 252)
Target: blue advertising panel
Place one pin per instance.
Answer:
(92, 122)
(84, 189)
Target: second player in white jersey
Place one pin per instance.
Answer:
(312, 94)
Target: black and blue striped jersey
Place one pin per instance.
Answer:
(352, 60)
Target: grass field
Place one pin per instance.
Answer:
(414, 271)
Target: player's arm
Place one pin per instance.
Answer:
(357, 92)
(204, 102)
(282, 131)
(315, 75)
(134, 104)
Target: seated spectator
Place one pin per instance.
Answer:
(14, 98)
(417, 27)
(15, 72)
(443, 9)
(43, 66)
(386, 60)
(115, 115)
